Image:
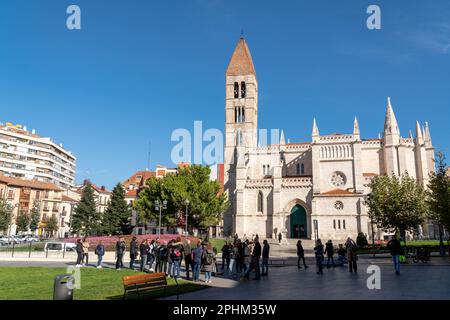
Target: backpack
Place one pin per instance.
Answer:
(176, 252)
(209, 259)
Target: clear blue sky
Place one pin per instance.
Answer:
(139, 69)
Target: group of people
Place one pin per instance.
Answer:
(241, 257)
(347, 253)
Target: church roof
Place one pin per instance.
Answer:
(337, 192)
(241, 62)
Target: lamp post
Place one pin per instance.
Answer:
(159, 207)
(366, 198)
(72, 207)
(186, 202)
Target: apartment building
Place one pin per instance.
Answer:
(26, 155)
(23, 194)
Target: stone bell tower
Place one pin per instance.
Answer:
(241, 121)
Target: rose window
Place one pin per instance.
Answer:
(337, 179)
(338, 205)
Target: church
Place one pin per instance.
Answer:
(312, 189)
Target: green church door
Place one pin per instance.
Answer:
(298, 222)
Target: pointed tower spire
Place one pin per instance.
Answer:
(410, 135)
(356, 132)
(419, 136)
(315, 130)
(282, 141)
(241, 62)
(427, 136)
(390, 122)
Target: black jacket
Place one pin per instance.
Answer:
(144, 249)
(300, 251)
(265, 251)
(120, 247)
(257, 250)
(395, 247)
(133, 247)
(329, 250)
(79, 247)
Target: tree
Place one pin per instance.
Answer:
(361, 240)
(396, 204)
(5, 215)
(206, 201)
(35, 216)
(23, 221)
(116, 219)
(86, 219)
(51, 225)
(438, 198)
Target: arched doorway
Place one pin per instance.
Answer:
(298, 223)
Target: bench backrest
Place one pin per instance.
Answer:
(145, 280)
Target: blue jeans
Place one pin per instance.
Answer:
(265, 265)
(150, 260)
(169, 272)
(196, 271)
(207, 275)
(246, 271)
(99, 260)
(143, 262)
(230, 269)
(176, 269)
(396, 260)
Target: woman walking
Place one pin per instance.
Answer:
(300, 255)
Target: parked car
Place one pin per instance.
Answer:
(59, 246)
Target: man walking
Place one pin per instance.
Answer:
(396, 251)
(100, 252)
(187, 257)
(226, 255)
(265, 258)
(79, 249)
(197, 258)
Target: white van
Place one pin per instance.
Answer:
(59, 246)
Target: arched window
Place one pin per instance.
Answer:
(238, 138)
(243, 90)
(298, 168)
(236, 90)
(243, 114)
(264, 169)
(334, 224)
(260, 201)
(302, 169)
(235, 114)
(268, 169)
(343, 224)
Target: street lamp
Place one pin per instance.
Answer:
(72, 207)
(159, 207)
(366, 198)
(186, 202)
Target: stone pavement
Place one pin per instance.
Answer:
(416, 281)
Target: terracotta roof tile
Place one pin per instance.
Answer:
(337, 192)
(34, 184)
(241, 62)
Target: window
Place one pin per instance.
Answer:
(260, 201)
(268, 169)
(235, 115)
(243, 115)
(339, 224)
(302, 169)
(10, 194)
(298, 168)
(343, 224)
(334, 224)
(264, 169)
(243, 90)
(236, 90)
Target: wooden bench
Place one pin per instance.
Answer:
(145, 282)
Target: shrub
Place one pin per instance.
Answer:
(361, 240)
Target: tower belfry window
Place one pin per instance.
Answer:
(236, 90)
(243, 90)
(243, 114)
